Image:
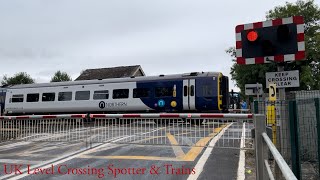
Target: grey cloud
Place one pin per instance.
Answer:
(40, 37)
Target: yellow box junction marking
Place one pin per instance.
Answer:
(195, 151)
(191, 155)
(176, 149)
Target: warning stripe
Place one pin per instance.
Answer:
(45, 116)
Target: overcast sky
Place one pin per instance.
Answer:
(164, 36)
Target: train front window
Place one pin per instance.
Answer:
(207, 91)
(163, 91)
(16, 98)
(33, 97)
(64, 96)
(82, 95)
(48, 96)
(141, 92)
(101, 94)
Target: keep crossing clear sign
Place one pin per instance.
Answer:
(283, 79)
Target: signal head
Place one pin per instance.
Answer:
(252, 36)
(283, 33)
(281, 40)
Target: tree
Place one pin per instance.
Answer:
(60, 76)
(309, 69)
(19, 78)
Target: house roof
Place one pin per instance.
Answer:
(112, 72)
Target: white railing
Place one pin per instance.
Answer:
(179, 129)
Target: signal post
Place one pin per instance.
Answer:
(277, 41)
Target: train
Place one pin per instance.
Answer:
(188, 92)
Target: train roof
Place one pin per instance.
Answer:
(117, 80)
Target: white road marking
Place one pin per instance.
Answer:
(242, 159)
(203, 159)
(13, 145)
(54, 162)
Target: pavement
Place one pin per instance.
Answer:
(158, 153)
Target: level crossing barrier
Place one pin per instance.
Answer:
(174, 129)
(43, 128)
(177, 129)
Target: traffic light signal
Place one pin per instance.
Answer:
(278, 40)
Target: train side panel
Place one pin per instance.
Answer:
(91, 105)
(161, 95)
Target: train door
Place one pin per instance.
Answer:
(192, 94)
(189, 100)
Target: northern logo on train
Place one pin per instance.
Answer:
(161, 103)
(102, 104)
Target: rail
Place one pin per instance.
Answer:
(262, 145)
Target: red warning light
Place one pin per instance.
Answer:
(252, 36)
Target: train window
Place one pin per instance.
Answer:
(33, 97)
(101, 94)
(185, 90)
(141, 92)
(64, 96)
(120, 93)
(192, 91)
(16, 98)
(163, 91)
(207, 91)
(82, 95)
(48, 96)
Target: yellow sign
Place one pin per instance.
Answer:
(272, 92)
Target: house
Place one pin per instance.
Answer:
(112, 72)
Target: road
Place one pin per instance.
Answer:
(158, 153)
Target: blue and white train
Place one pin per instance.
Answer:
(191, 92)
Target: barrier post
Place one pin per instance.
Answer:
(261, 148)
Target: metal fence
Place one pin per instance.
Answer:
(265, 166)
(277, 120)
(43, 128)
(306, 137)
(297, 95)
(295, 124)
(148, 129)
